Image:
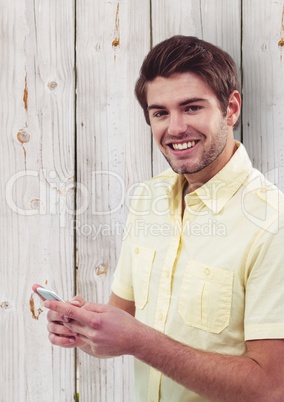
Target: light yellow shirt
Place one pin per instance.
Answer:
(210, 279)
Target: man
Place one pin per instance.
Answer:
(201, 269)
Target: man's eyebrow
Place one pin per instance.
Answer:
(154, 106)
(183, 103)
(192, 100)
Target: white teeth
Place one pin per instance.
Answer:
(185, 145)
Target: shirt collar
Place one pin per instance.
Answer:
(218, 190)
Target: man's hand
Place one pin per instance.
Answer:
(59, 334)
(105, 330)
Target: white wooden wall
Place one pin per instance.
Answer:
(68, 115)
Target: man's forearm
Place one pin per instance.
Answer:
(215, 376)
(105, 330)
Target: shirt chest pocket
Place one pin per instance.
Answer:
(142, 261)
(206, 296)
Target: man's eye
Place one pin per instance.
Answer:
(160, 113)
(192, 108)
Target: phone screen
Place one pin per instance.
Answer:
(49, 294)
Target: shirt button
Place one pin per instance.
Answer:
(206, 271)
(161, 317)
(137, 250)
(167, 274)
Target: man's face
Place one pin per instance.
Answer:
(187, 123)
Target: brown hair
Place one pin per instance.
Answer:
(181, 54)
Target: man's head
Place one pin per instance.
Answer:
(189, 92)
(180, 54)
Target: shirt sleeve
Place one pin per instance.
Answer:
(264, 309)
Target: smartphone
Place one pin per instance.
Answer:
(49, 294)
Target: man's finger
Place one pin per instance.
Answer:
(34, 288)
(75, 327)
(79, 314)
(78, 301)
(60, 329)
(62, 341)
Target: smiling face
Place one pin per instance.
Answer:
(188, 125)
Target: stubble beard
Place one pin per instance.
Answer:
(207, 157)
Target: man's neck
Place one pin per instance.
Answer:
(198, 179)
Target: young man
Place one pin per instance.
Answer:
(198, 296)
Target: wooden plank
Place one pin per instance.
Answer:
(263, 68)
(37, 164)
(217, 21)
(114, 152)
(37, 99)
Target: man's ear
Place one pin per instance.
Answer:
(234, 108)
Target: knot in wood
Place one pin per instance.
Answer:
(5, 305)
(23, 136)
(52, 85)
(281, 42)
(115, 42)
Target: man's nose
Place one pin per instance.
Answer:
(177, 124)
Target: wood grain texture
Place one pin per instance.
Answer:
(37, 163)
(218, 22)
(39, 105)
(114, 153)
(263, 68)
